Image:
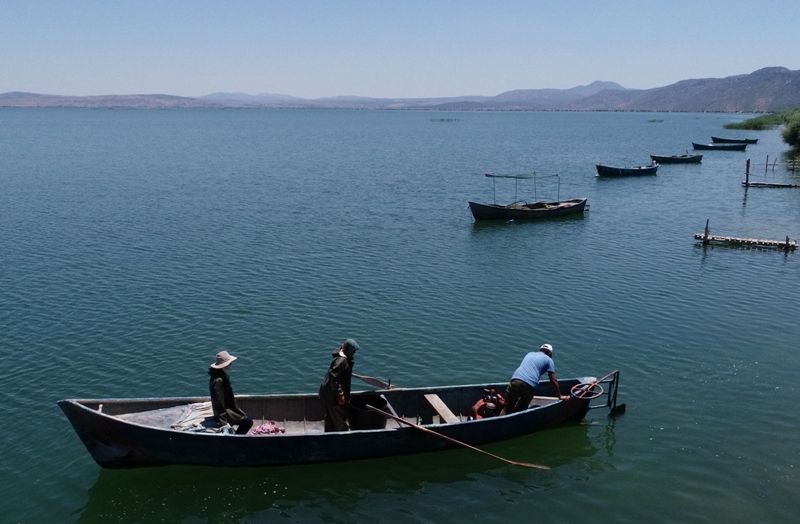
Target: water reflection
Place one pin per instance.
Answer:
(479, 226)
(332, 492)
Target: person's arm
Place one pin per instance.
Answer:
(336, 381)
(554, 382)
(218, 392)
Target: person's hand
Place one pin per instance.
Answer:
(563, 397)
(340, 400)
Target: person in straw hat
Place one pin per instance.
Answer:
(226, 412)
(522, 388)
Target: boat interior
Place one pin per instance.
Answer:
(304, 414)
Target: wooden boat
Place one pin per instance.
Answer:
(677, 159)
(120, 433)
(522, 209)
(720, 147)
(603, 170)
(718, 140)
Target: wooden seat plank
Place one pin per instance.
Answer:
(440, 407)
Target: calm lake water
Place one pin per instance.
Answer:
(137, 244)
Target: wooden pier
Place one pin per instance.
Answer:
(747, 182)
(784, 245)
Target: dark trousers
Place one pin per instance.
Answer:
(244, 426)
(335, 418)
(518, 396)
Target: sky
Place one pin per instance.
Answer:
(384, 49)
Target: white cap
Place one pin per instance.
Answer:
(546, 347)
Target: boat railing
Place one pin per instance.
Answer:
(517, 178)
(610, 385)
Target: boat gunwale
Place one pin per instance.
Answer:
(190, 400)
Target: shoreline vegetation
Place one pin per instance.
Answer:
(789, 119)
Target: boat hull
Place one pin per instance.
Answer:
(677, 159)
(116, 443)
(536, 210)
(718, 140)
(719, 147)
(603, 170)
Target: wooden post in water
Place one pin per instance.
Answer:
(705, 235)
(747, 174)
(766, 164)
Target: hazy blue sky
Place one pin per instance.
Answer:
(384, 48)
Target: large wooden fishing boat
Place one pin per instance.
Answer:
(121, 433)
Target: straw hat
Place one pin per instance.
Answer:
(223, 360)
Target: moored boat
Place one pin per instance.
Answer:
(720, 147)
(121, 433)
(522, 209)
(677, 159)
(604, 170)
(719, 140)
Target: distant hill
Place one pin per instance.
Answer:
(549, 98)
(17, 99)
(768, 89)
(765, 90)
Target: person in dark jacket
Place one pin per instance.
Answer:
(335, 388)
(226, 412)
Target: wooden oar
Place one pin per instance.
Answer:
(431, 432)
(372, 381)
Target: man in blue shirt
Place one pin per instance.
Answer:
(522, 388)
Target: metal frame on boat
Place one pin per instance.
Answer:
(121, 433)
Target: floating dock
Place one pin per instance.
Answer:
(767, 184)
(784, 245)
(747, 182)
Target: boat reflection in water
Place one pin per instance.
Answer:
(347, 490)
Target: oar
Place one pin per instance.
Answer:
(378, 383)
(426, 430)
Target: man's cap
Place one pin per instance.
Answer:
(350, 344)
(546, 347)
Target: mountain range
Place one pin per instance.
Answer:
(766, 90)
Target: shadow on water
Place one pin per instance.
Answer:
(480, 226)
(331, 492)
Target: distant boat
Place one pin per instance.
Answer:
(720, 147)
(718, 140)
(677, 159)
(522, 209)
(603, 170)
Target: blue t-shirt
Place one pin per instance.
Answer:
(533, 366)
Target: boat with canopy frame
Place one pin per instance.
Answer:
(521, 209)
